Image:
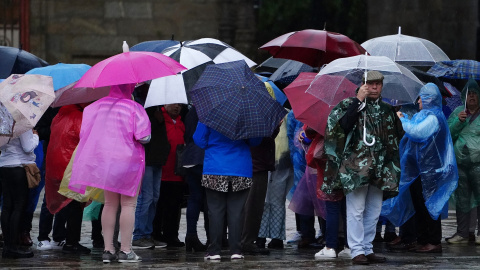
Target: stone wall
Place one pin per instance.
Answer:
(452, 25)
(88, 31)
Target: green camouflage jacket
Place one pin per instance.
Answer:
(351, 163)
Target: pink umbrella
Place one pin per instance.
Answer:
(129, 67)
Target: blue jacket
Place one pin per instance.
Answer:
(224, 156)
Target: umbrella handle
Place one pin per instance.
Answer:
(365, 132)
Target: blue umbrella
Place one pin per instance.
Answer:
(232, 100)
(154, 45)
(456, 69)
(62, 74)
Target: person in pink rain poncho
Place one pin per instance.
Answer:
(110, 156)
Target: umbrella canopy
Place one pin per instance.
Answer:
(456, 69)
(287, 72)
(232, 100)
(166, 90)
(17, 61)
(193, 53)
(71, 94)
(405, 49)
(154, 45)
(269, 65)
(23, 100)
(273, 89)
(62, 74)
(308, 108)
(426, 78)
(129, 68)
(400, 86)
(313, 47)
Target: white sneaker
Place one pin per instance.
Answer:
(209, 257)
(44, 245)
(296, 236)
(58, 245)
(326, 253)
(345, 253)
(237, 257)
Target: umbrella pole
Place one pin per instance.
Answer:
(466, 94)
(365, 113)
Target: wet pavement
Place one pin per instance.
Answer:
(465, 256)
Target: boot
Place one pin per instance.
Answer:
(192, 242)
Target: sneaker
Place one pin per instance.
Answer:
(44, 245)
(143, 243)
(297, 236)
(237, 257)
(107, 256)
(326, 253)
(457, 239)
(345, 253)
(75, 249)
(130, 257)
(159, 244)
(209, 257)
(57, 245)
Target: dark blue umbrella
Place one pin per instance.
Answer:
(17, 61)
(232, 100)
(288, 72)
(154, 45)
(270, 65)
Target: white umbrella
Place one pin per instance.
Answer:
(166, 90)
(405, 49)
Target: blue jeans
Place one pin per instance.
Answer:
(147, 202)
(335, 210)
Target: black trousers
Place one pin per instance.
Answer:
(74, 216)
(429, 231)
(15, 197)
(167, 216)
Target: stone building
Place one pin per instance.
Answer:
(87, 31)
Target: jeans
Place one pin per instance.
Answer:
(147, 202)
(363, 210)
(196, 199)
(335, 211)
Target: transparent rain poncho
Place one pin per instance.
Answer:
(426, 151)
(466, 138)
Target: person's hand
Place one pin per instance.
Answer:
(362, 92)
(35, 132)
(301, 136)
(462, 116)
(400, 114)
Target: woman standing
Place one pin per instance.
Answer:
(227, 177)
(14, 183)
(110, 156)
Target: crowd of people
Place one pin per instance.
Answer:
(373, 164)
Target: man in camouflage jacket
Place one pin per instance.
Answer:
(366, 174)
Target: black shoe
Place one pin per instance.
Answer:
(309, 243)
(193, 243)
(275, 244)
(389, 236)
(75, 249)
(175, 243)
(252, 249)
(261, 242)
(16, 253)
(378, 238)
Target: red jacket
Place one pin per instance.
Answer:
(175, 132)
(64, 137)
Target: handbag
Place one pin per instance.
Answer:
(179, 169)
(33, 175)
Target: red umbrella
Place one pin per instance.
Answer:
(313, 47)
(309, 109)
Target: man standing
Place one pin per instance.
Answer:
(366, 173)
(464, 126)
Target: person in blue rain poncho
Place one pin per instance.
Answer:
(464, 126)
(429, 171)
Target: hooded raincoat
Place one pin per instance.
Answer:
(109, 155)
(466, 139)
(426, 151)
(350, 162)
